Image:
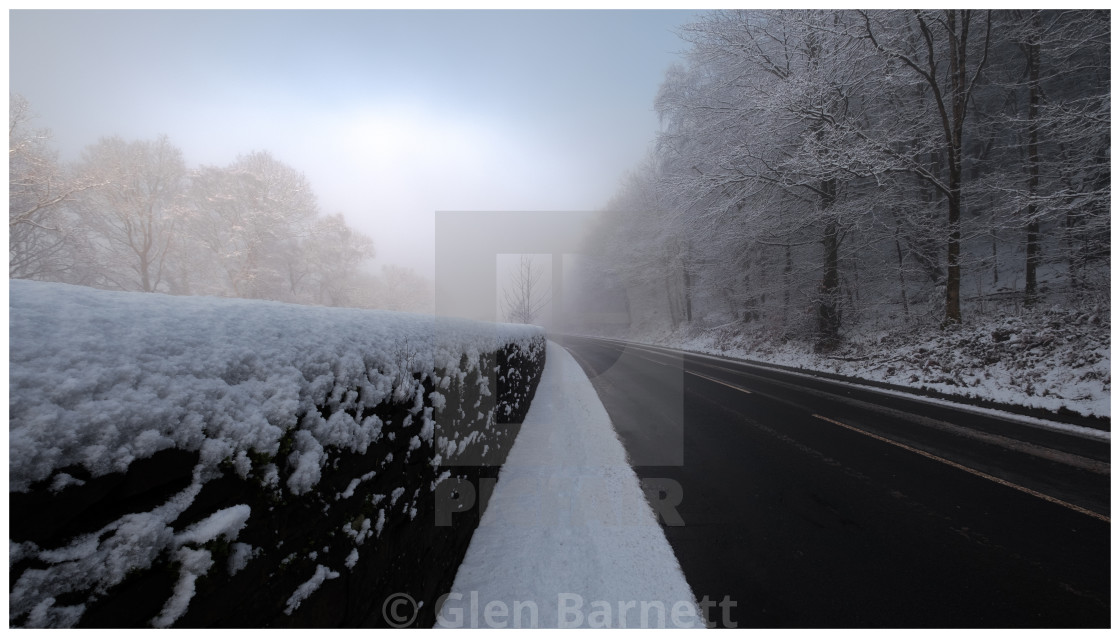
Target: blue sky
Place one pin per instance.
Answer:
(391, 114)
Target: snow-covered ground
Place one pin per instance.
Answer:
(568, 539)
(1049, 359)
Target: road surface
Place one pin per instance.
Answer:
(797, 502)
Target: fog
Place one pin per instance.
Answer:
(416, 132)
(391, 115)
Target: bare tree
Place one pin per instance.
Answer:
(252, 216)
(948, 56)
(525, 297)
(129, 216)
(759, 128)
(325, 269)
(645, 242)
(42, 243)
(911, 146)
(134, 212)
(1059, 179)
(401, 289)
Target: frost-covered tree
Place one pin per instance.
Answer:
(644, 247)
(819, 169)
(132, 215)
(252, 216)
(42, 242)
(400, 288)
(1056, 171)
(758, 136)
(947, 51)
(328, 271)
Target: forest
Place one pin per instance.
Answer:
(817, 175)
(820, 173)
(130, 215)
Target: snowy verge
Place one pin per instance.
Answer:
(198, 461)
(568, 538)
(1053, 359)
(1020, 419)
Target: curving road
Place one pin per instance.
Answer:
(794, 501)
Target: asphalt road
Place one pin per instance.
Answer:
(804, 503)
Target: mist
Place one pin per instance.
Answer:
(389, 115)
(426, 152)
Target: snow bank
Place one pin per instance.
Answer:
(1052, 359)
(285, 424)
(568, 538)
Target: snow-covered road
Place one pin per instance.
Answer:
(568, 538)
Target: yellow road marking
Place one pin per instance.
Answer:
(994, 479)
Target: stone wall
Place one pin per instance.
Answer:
(374, 544)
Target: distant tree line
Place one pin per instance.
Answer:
(818, 169)
(131, 216)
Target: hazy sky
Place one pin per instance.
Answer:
(392, 115)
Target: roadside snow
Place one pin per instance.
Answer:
(568, 538)
(1051, 359)
(1020, 419)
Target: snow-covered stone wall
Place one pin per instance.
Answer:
(187, 461)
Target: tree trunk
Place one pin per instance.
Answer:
(995, 260)
(828, 310)
(671, 305)
(687, 290)
(788, 274)
(1033, 238)
(953, 278)
(901, 274)
(957, 24)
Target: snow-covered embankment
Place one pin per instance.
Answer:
(185, 461)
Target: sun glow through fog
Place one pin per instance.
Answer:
(391, 115)
(403, 138)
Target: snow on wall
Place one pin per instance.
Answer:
(239, 392)
(99, 379)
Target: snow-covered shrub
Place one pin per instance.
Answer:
(167, 449)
